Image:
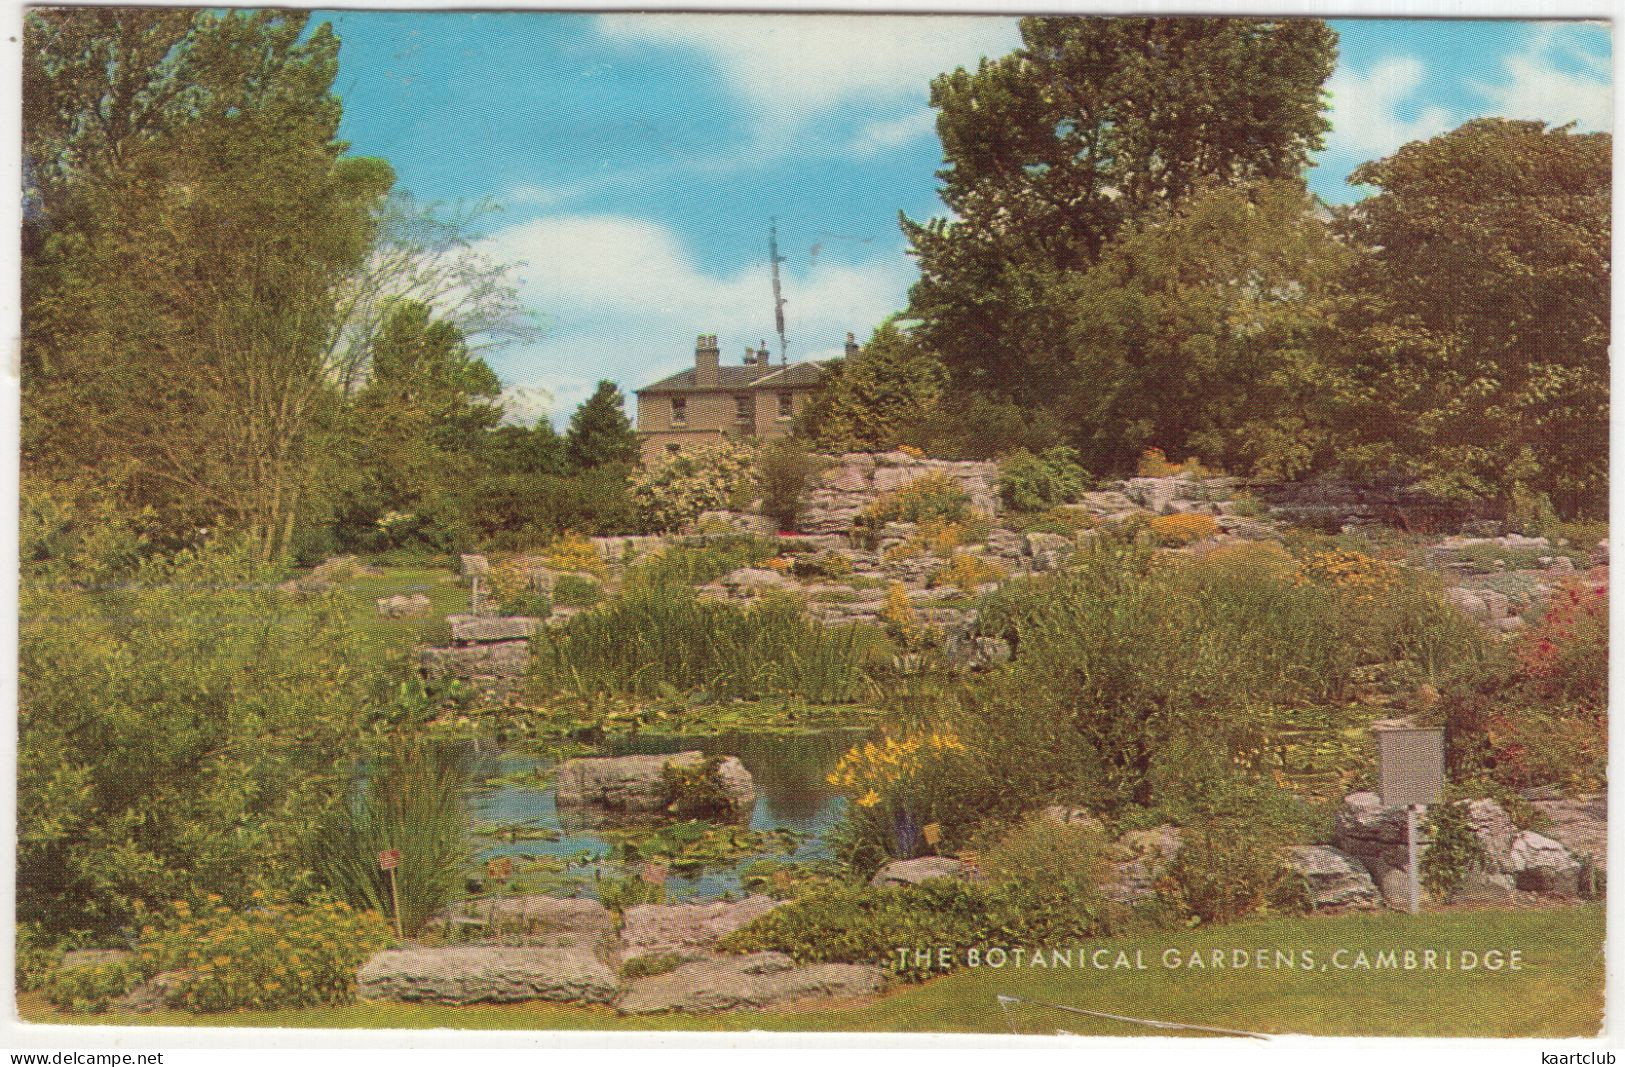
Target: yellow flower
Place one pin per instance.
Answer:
(869, 799)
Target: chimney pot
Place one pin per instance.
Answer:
(706, 358)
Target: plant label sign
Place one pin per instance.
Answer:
(1410, 765)
(389, 859)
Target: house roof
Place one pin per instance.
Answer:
(734, 378)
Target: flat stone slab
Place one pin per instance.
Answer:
(94, 957)
(689, 929)
(915, 871)
(759, 980)
(470, 975)
(503, 659)
(483, 629)
(537, 920)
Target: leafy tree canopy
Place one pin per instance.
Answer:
(1091, 123)
(600, 433)
(872, 400)
(1475, 350)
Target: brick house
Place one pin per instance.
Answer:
(711, 402)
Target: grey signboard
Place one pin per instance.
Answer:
(1410, 765)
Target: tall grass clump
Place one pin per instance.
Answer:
(651, 641)
(410, 799)
(1134, 667)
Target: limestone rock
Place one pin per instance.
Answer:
(1335, 879)
(1483, 887)
(535, 920)
(502, 660)
(469, 975)
(637, 783)
(402, 606)
(689, 929)
(754, 581)
(94, 957)
(1062, 815)
(1541, 865)
(1580, 824)
(485, 629)
(1495, 831)
(152, 994)
(920, 869)
(1141, 858)
(755, 981)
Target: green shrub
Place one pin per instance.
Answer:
(654, 963)
(1037, 849)
(410, 800)
(275, 954)
(786, 469)
(698, 790)
(863, 924)
(929, 498)
(90, 989)
(1031, 482)
(828, 564)
(577, 591)
(675, 490)
(1229, 867)
(698, 564)
(194, 723)
(618, 894)
(37, 956)
(1454, 850)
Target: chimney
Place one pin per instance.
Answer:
(706, 358)
(851, 345)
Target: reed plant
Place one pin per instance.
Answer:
(410, 799)
(652, 641)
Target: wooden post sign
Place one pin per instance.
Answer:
(388, 860)
(1410, 774)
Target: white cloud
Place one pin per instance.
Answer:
(626, 300)
(1536, 88)
(895, 133)
(1365, 109)
(526, 405)
(791, 67)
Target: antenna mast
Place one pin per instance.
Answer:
(778, 297)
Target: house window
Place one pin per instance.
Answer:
(787, 405)
(679, 410)
(742, 408)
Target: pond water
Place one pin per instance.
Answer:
(791, 794)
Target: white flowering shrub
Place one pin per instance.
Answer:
(675, 490)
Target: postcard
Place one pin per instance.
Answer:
(1060, 525)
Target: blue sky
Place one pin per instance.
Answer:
(638, 158)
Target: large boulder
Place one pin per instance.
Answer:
(1580, 824)
(1375, 834)
(1495, 831)
(471, 975)
(638, 783)
(1139, 858)
(750, 582)
(1334, 879)
(690, 929)
(498, 661)
(1541, 865)
(920, 869)
(534, 920)
(759, 980)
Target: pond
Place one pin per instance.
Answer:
(557, 855)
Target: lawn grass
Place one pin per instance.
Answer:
(447, 596)
(1558, 993)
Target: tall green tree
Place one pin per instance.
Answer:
(418, 431)
(181, 303)
(600, 433)
(1199, 332)
(1091, 123)
(877, 398)
(1474, 356)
